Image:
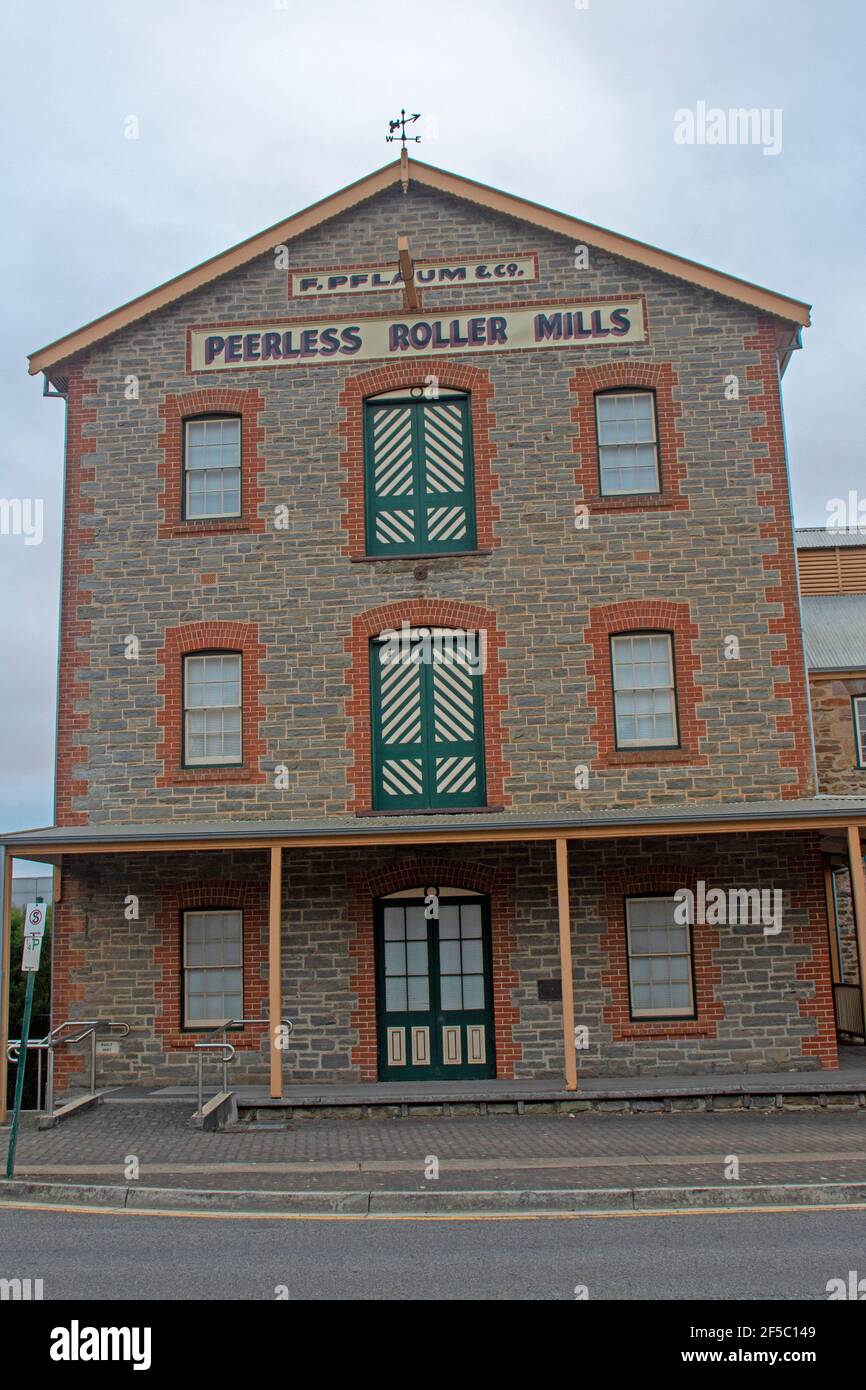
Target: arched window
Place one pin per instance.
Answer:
(628, 456)
(213, 974)
(212, 709)
(419, 476)
(644, 690)
(212, 467)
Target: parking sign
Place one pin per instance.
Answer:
(34, 931)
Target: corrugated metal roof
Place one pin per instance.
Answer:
(834, 631)
(388, 827)
(828, 537)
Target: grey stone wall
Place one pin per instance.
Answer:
(765, 998)
(542, 581)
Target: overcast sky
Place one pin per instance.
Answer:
(250, 109)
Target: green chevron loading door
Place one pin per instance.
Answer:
(428, 723)
(419, 486)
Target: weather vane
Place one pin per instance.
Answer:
(401, 125)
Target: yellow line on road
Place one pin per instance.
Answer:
(656, 1213)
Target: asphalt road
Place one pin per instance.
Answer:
(730, 1256)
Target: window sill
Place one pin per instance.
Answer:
(636, 502)
(635, 1032)
(225, 526)
(436, 811)
(209, 776)
(643, 757)
(416, 559)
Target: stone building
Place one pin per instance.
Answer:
(431, 670)
(832, 570)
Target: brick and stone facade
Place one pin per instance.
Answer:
(764, 1002)
(710, 558)
(832, 566)
(833, 721)
(726, 558)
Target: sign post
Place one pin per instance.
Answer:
(34, 932)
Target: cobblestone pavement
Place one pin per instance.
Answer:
(502, 1151)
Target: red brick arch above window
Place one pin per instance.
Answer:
(217, 895)
(709, 1010)
(651, 615)
(658, 377)
(216, 400)
(210, 637)
(421, 612)
(451, 376)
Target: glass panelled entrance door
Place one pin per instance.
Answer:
(435, 1008)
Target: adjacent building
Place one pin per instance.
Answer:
(432, 670)
(832, 568)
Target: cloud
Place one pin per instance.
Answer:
(250, 111)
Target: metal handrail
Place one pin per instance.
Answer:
(229, 1051)
(52, 1040)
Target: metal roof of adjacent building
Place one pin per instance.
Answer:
(828, 537)
(834, 631)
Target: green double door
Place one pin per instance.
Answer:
(433, 986)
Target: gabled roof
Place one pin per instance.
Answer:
(790, 311)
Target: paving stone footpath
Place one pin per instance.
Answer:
(502, 1152)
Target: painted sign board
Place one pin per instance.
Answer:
(365, 338)
(34, 932)
(429, 275)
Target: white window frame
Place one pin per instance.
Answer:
(671, 1011)
(190, 515)
(613, 449)
(859, 703)
(188, 1020)
(223, 760)
(622, 743)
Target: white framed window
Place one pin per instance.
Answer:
(212, 468)
(628, 457)
(659, 959)
(644, 690)
(212, 709)
(213, 976)
(859, 703)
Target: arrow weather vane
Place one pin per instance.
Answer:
(401, 125)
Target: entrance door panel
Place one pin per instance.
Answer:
(433, 991)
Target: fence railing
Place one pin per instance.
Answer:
(87, 1030)
(211, 1043)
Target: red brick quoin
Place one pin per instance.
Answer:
(497, 884)
(658, 377)
(652, 615)
(215, 400)
(71, 781)
(815, 971)
(251, 898)
(707, 975)
(421, 612)
(771, 468)
(453, 376)
(210, 637)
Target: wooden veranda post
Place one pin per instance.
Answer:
(569, 1054)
